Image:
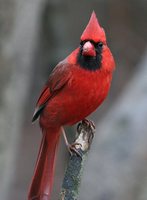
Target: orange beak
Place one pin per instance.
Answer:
(88, 49)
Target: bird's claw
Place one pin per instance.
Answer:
(89, 126)
(72, 148)
(88, 123)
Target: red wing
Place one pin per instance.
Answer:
(57, 81)
(45, 94)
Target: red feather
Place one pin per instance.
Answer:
(71, 93)
(55, 84)
(93, 30)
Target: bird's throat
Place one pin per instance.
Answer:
(89, 62)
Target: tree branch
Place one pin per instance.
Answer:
(74, 171)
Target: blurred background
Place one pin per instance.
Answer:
(34, 36)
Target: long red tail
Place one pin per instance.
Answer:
(42, 180)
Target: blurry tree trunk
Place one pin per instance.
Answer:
(35, 23)
(19, 50)
(117, 165)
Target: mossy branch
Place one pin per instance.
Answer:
(74, 171)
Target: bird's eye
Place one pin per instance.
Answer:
(100, 45)
(81, 43)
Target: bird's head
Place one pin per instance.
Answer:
(93, 37)
(93, 42)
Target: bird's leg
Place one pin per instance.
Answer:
(71, 147)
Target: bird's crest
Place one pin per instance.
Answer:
(93, 30)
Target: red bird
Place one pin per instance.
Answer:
(75, 88)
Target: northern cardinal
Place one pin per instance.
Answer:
(75, 88)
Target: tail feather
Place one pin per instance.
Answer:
(42, 180)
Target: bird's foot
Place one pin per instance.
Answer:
(89, 126)
(88, 123)
(74, 149)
